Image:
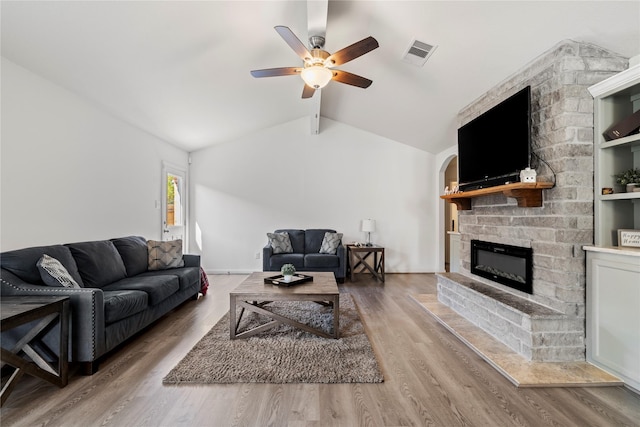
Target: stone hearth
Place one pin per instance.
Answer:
(532, 330)
(510, 364)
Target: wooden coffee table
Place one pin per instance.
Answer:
(254, 295)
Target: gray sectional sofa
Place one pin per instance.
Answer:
(305, 255)
(117, 295)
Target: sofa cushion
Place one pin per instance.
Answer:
(163, 255)
(277, 261)
(158, 287)
(297, 239)
(330, 243)
(280, 243)
(134, 253)
(187, 276)
(313, 239)
(119, 305)
(99, 262)
(23, 262)
(53, 273)
(312, 261)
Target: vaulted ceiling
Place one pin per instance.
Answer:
(180, 69)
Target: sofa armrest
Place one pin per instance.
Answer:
(267, 251)
(191, 260)
(87, 313)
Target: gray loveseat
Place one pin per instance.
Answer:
(118, 296)
(305, 256)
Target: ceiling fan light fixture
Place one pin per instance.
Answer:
(317, 70)
(316, 76)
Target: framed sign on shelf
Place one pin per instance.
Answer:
(629, 238)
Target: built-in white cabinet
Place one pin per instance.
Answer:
(613, 312)
(613, 271)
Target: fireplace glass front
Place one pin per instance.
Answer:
(505, 264)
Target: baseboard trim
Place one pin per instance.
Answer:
(229, 272)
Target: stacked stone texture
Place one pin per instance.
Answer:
(562, 136)
(545, 337)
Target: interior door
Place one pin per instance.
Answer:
(174, 202)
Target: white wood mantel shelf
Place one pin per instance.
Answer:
(527, 194)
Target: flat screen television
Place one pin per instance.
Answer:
(494, 147)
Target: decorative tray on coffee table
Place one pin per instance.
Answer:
(296, 279)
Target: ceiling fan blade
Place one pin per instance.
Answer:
(275, 72)
(294, 42)
(351, 79)
(352, 52)
(307, 92)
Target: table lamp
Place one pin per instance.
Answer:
(368, 225)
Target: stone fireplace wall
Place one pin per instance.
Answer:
(562, 135)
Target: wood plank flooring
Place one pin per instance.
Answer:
(431, 379)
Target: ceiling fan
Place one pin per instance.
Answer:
(318, 70)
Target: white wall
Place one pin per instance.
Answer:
(71, 172)
(284, 177)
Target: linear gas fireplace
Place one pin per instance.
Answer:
(509, 265)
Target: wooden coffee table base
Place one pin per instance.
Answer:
(253, 295)
(258, 307)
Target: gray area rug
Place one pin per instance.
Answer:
(283, 354)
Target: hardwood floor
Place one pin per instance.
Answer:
(431, 379)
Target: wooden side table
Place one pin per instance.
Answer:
(48, 312)
(360, 257)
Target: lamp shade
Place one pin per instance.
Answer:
(368, 225)
(316, 76)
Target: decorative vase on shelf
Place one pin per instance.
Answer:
(287, 271)
(630, 179)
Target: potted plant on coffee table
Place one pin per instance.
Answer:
(288, 270)
(629, 178)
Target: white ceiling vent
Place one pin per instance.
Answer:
(418, 52)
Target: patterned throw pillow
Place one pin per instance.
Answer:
(330, 243)
(280, 243)
(53, 273)
(163, 255)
